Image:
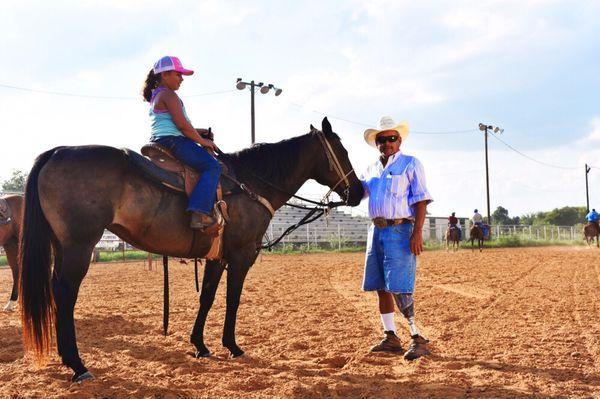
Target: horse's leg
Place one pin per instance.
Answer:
(12, 249)
(213, 270)
(71, 265)
(236, 274)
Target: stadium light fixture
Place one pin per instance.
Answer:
(264, 89)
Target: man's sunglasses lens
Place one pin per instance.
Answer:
(389, 139)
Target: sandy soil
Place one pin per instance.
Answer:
(507, 323)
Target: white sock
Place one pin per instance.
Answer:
(387, 319)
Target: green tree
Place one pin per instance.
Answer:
(566, 216)
(500, 216)
(16, 183)
(533, 218)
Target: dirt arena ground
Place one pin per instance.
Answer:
(507, 323)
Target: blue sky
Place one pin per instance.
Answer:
(529, 66)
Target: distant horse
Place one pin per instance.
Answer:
(74, 193)
(476, 233)
(452, 236)
(9, 239)
(591, 232)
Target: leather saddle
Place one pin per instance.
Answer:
(160, 165)
(185, 178)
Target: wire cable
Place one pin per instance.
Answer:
(533, 159)
(66, 94)
(368, 125)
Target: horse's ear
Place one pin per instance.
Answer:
(326, 126)
(312, 127)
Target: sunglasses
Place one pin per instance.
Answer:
(388, 139)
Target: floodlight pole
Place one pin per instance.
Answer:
(487, 175)
(484, 128)
(252, 134)
(241, 85)
(587, 193)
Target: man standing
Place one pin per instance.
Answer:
(398, 198)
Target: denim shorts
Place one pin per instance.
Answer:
(389, 264)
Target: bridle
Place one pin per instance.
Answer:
(334, 164)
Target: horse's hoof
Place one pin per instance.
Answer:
(236, 352)
(87, 376)
(202, 354)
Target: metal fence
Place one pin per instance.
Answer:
(339, 235)
(542, 233)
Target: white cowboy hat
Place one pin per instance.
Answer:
(386, 123)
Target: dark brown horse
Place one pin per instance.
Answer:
(9, 239)
(591, 231)
(476, 233)
(74, 193)
(452, 236)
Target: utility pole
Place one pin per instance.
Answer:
(484, 128)
(264, 89)
(587, 192)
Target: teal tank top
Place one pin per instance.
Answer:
(161, 122)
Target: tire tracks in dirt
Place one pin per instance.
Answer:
(498, 298)
(578, 305)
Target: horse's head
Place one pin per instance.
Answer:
(332, 166)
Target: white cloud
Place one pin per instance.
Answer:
(594, 134)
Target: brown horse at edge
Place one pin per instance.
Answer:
(9, 239)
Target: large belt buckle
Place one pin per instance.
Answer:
(380, 222)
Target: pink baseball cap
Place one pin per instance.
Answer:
(169, 63)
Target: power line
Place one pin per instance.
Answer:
(66, 94)
(368, 125)
(533, 159)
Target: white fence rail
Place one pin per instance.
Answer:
(339, 235)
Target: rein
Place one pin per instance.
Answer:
(321, 207)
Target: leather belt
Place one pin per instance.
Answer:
(382, 222)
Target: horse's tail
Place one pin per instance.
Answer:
(35, 290)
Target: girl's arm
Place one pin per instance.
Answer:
(173, 105)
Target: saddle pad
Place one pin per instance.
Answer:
(5, 212)
(168, 179)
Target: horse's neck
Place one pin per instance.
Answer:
(289, 185)
(279, 190)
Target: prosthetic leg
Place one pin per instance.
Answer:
(418, 346)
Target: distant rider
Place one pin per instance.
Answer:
(592, 217)
(478, 221)
(453, 223)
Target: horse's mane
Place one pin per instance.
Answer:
(270, 161)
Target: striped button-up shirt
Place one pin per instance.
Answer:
(393, 190)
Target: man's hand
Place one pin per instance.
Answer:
(416, 242)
